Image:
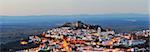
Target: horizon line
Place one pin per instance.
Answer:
(82, 14)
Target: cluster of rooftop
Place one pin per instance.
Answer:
(77, 36)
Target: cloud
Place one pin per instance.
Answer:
(131, 20)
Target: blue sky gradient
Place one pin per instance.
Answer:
(71, 7)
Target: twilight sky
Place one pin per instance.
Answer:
(71, 7)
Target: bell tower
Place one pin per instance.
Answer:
(99, 30)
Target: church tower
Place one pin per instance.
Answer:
(99, 30)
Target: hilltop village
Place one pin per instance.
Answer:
(81, 37)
